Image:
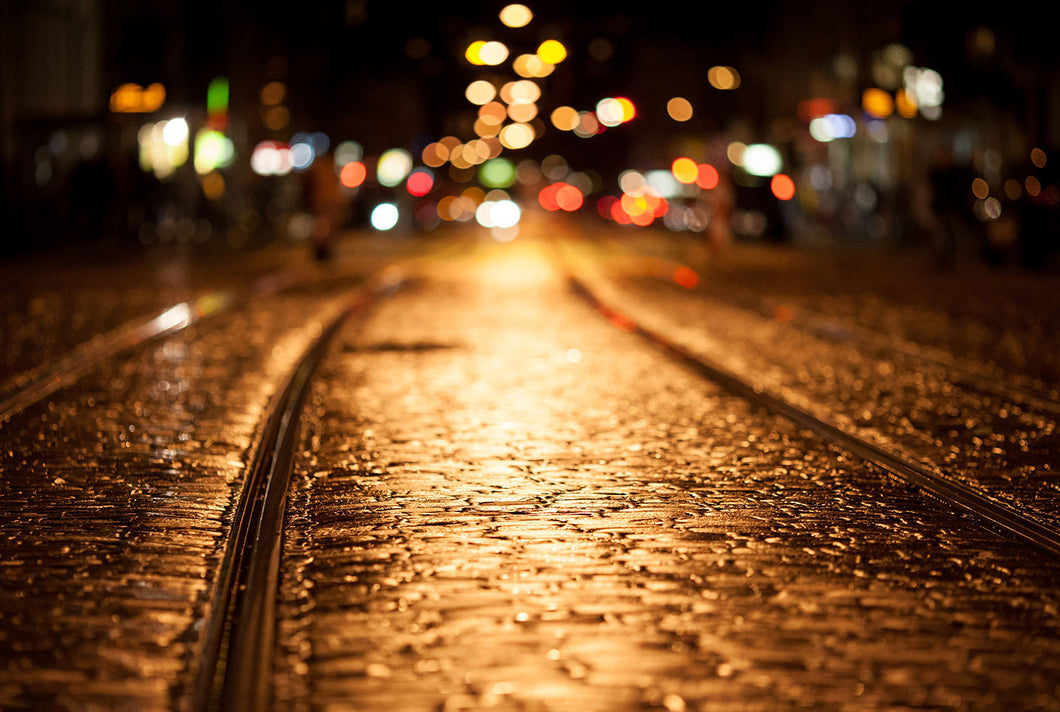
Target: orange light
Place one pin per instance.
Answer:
(679, 108)
(783, 187)
(905, 104)
(569, 198)
(723, 78)
(353, 174)
(134, 99)
(877, 102)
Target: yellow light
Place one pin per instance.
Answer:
(516, 16)
(679, 109)
(473, 50)
(629, 110)
(877, 102)
(552, 51)
(685, 170)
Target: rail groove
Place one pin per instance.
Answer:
(235, 668)
(994, 515)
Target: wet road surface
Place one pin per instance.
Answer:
(500, 502)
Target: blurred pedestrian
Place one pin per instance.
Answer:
(324, 199)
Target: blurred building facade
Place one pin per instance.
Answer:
(392, 77)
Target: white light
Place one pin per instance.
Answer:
(664, 182)
(833, 126)
(505, 214)
(761, 159)
(819, 130)
(394, 166)
(347, 152)
(175, 132)
(630, 181)
(841, 125)
(265, 161)
(610, 112)
(301, 156)
(483, 214)
(384, 216)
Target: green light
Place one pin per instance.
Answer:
(217, 96)
(213, 150)
(497, 173)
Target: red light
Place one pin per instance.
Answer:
(605, 205)
(782, 186)
(419, 183)
(813, 108)
(707, 178)
(547, 197)
(353, 174)
(686, 277)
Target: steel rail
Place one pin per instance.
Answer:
(994, 515)
(235, 665)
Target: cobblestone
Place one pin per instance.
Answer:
(504, 502)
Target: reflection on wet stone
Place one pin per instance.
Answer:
(494, 525)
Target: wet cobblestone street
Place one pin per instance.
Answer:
(503, 502)
(500, 500)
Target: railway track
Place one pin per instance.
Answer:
(234, 670)
(985, 508)
(583, 519)
(47, 378)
